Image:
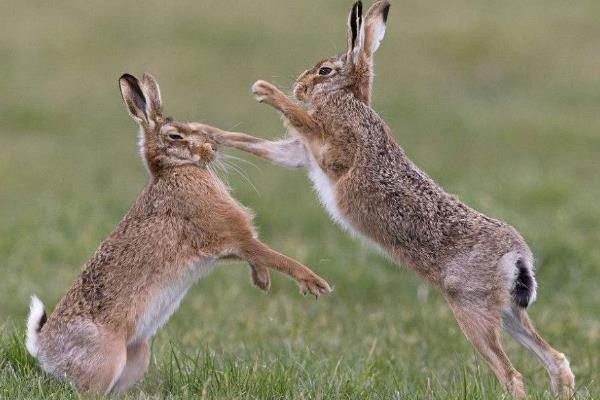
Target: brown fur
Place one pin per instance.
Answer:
(382, 196)
(181, 223)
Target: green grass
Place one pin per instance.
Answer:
(498, 101)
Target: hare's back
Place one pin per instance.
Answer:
(138, 255)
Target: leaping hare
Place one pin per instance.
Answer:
(482, 266)
(181, 224)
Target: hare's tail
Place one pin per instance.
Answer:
(524, 288)
(35, 322)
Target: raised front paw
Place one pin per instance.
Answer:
(265, 92)
(314, 285)
(209, 131)
(261, 277)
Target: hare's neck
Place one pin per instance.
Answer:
(182, 173)
(148, 151)
(192, 181)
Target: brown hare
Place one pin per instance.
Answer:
(481, 266)
(182, 223)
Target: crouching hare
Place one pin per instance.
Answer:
(481, 266)
(181, 224)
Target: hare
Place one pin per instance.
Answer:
(182, 223)
(481, 266)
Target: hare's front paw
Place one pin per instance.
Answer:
(264, 92)
(314, 285)
(261, 277)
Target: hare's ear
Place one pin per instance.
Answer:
(356, 32)
(134, 98)
(152, 92)
(375, 24)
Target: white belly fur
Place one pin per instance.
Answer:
(166, 300)
(328, 197)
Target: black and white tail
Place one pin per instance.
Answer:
(524, 289)
(35, 322)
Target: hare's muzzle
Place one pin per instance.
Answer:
(207, 151)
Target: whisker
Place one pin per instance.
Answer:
(234, 126)
(242, 174)
(231, 157)
(221, 171)
(236, 169)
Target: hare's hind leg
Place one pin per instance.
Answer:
(101, 365)
(517, 323)
(138, 358)
(89, 357)
(481, 325)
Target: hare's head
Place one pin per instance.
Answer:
(352, 70)
(164, 142)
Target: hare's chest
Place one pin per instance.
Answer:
(326, 191)
(328, 196)
(165, 298)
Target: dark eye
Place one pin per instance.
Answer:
(174, 136)
(325, 71)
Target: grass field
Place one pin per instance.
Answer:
(499, 101)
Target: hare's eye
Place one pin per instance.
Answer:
(325, 71)
(174, 136)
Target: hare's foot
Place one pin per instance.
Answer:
(294, 116)
(563, 381)
(314, 285)
(515, 386)
(260, 256)
(265, 92)
(261, 277)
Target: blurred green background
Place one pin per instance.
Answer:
(499, 101)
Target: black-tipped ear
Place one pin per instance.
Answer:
(355, 29)
(375, 26)
(134, 97)
(359, 14)
(386, 11)
(353, 23)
